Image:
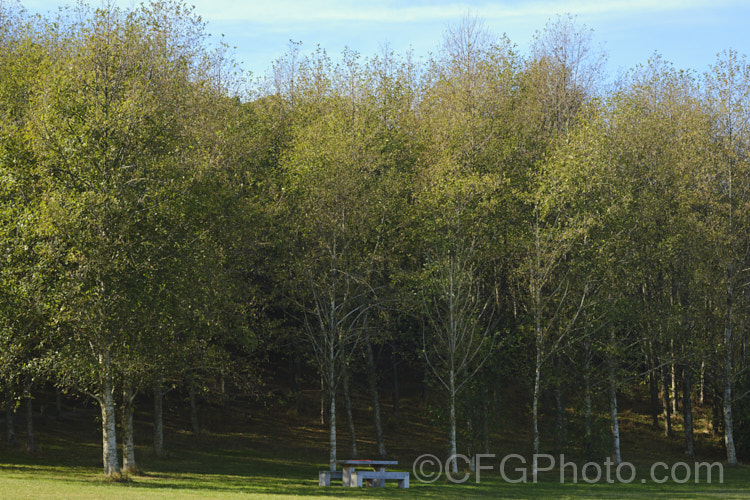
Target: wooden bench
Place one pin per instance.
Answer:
(378, 478)
(325, 476)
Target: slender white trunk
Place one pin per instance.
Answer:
(332, 414)
(728, 340)
(728, 420)
(613, 401)
(535, 403)
(615, 423)
(349, 414)
(128, 433)
(452, 438)
(332, 420)
(109, 437)
(667, 406)
(537, 294)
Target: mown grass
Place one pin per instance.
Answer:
(290, 479)
(262, 453)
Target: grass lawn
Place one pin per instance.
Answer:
(265, 453)
(293, 479)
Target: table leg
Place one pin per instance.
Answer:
(379, 482)
(346, 476)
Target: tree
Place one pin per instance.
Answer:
(25, 277)
(461, 205)
(110, 139)
(559, 80)
(459, 331)
(335, 182)
(728, 99)
(564, 72)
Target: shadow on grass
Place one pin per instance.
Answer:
(269, 457)
(278, 477)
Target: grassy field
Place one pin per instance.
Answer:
(274, 478)
(261, 453)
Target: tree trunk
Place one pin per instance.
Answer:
(10, 418)
(613, 401)
(109, 437)
(673, 379)
(349, 414)
(654, 389)
(687, 410)
(471, 446)
(322, 401)
(536, 292)
(395, 393)
(667, 407)
(29, 419)
(728, 360)
(194, 423)
(128, 432)
(559, 437)
(485, 425)
(296, 390)
(158, 418)
(703, 380)
(452, 437)
(728, 420)
(535, 406)
(588, 436)
(373, 383)
(332, 421)
(332, 410)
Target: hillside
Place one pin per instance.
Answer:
(266, 447)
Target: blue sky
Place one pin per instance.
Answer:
(688, 33)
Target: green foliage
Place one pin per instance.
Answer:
(158, 223)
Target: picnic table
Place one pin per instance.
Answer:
(373, 475)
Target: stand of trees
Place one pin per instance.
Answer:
(486, 215)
